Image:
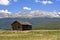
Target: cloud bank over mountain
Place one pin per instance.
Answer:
(4, 13)
(32, 14)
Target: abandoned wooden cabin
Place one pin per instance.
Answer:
(19, 25)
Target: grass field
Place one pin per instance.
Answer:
(30, 35)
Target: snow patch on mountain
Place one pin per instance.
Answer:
(32, 14)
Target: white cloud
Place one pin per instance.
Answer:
(26, 8)
(49, 2)
(4, 2)
(37, 13)
(15, 0)
(58, 12)
(4, 11)
(32, 14)
(44, 2)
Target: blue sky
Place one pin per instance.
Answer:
(29, 5)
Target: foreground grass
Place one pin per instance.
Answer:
(30, 35)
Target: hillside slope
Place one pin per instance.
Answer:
(38, 23)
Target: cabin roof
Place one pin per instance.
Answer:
(22, 22)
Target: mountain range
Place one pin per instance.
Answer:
(38, 19)
(37, 23)
(32, 14)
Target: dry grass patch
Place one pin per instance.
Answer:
(30, 35)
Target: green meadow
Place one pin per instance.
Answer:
(30, 35)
